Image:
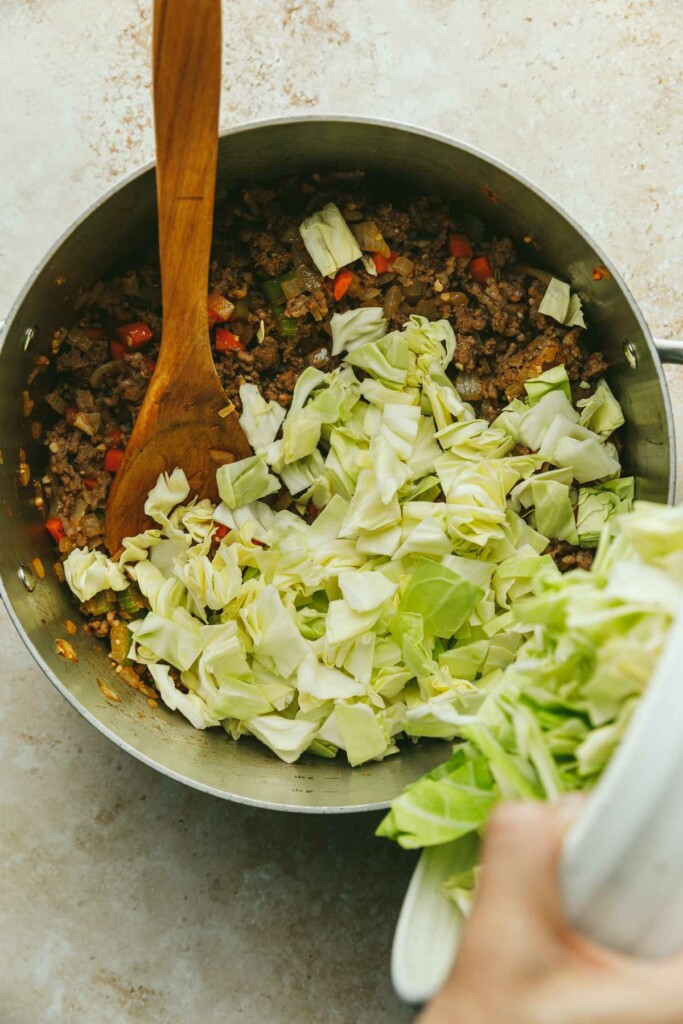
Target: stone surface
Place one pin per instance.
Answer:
(127, 899)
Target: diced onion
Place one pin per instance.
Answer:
(403, 266)
(88, 422)
(392, 300)
(55, 400)
(91, 525)
(98, 375)
(468, 386)
(369, 237)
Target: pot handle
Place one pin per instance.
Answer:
(669, 350)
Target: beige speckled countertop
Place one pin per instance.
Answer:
(126, 898)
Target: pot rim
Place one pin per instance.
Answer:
(402, 126)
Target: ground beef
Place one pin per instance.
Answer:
(302, 305)
(267, 355)
(268, 254)
(569, 556)
(99, 627)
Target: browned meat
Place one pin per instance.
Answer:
(267, 355)
(568, 556)
(269, 254)
(315, 304)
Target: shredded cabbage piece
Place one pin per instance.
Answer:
(89, 572)
(384, 600)
(356, 327)
(329, 241)
(260, 420)
(561, 305)
(588, 645)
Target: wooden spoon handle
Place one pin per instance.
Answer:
(187, 80)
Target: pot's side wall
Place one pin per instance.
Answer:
(110, 236)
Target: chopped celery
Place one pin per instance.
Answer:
(272, 291)
(100, 604)
(279, 289)
(290, 285)
(131, 601)
(285, 325)
(241, 310)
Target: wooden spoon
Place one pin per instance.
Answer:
(179, 422)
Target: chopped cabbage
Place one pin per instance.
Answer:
(329, 241)
(384, 600)
(357, 327)
(260, 420)
(89, 572)
(588, 644)
(561, 305)
(247, 480)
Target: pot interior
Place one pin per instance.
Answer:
(111, 236)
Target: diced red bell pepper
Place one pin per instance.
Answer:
(151, 365)
(118, 349)
(459, 245)
(226, 341)
(481, 269)
(113, 460)
(341, 284)
(55, 527)
(134, 335)
(94, 333)
(220, 532)
(383, 263)
(90, 483)
(116, 437)
(219, 308)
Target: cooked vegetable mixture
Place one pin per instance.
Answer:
(430, 434)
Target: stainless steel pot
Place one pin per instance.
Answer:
(109, 234)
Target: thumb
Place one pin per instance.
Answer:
(521, 852)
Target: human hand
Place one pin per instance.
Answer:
(520, 962)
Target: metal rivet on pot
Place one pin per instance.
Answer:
(631, 355)
(29, 335)
(26, 577)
